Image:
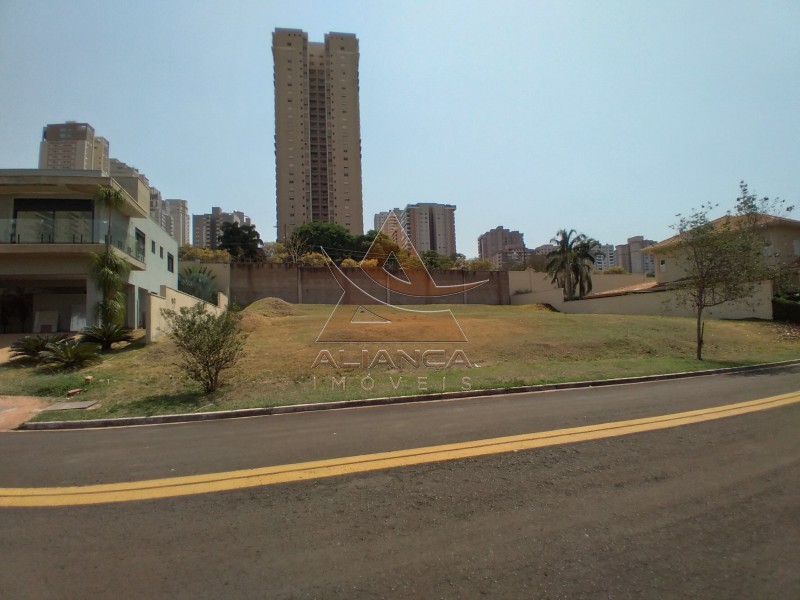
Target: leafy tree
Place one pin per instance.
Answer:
(241, 241)
(474, 264)
(569, 265)
(335, 239)
(313, 259)
(349, 262)
(275, 252)
(198, 282)
(207, 343)
(723, 259)
(295, 245)
(434, 260)
(196, 253)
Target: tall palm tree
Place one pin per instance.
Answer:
(110, 198)
(109, 271)
(585, 252)
(570, 264)
(559, 261)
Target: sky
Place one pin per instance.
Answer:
(607, 117)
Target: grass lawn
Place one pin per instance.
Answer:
(508, 346)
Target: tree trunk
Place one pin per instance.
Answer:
(700, 327)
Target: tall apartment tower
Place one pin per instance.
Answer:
(179, 220)
(207, 228)
(317, 131)
(431, 226)
(73, 145)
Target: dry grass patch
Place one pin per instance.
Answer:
(508, 345)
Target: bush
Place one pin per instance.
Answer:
(615, 270)
(786, 309)
(70, 354)
(207, 343)
(28, 348)
(106, 335)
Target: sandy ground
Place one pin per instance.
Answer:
(15, 410)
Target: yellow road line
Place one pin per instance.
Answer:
(233, 480)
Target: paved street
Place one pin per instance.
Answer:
(703, 510)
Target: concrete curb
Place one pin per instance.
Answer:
(297, 408)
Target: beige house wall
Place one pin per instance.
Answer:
(783, 248)
(538, 290)
(663, 304)
(174, 300)
(536, 281)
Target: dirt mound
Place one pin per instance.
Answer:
(270, 307)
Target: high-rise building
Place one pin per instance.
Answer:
(207, 229)
(158, 209)
(631, 258)
(605, 257)
(431, 226)
(317, 131)
(178, 220)
(502, 247)
(73, 145)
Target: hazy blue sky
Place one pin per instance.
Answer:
(606, 117)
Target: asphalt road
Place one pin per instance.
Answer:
(707, 510)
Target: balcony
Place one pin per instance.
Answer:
(67, 233)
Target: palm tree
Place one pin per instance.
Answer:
(559, 261)
(109, 198)
(110, 272)
(582, 262)
(570, 264)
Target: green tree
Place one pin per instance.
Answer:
(241, 241)
(335, 239)
(723, 259)
(433, 260)
(207, 343)
(198, 282)
(275, 252)
(189, 253)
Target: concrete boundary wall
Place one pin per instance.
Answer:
(316, 285)
(156, 326)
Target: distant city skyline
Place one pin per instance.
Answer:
(606, 118)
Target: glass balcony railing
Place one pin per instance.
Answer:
(66, 231)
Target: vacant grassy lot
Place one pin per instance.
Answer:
(508, 346)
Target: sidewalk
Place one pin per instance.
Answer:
(15, 410)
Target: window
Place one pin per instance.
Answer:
(161, 251)
(170, 263)
(152, 247)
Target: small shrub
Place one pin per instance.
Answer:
(70, 354)
(106, 335)
(207, 343)
(615, 270)
(28, 348)
(786, 309)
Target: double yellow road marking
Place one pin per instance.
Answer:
(234, 480)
